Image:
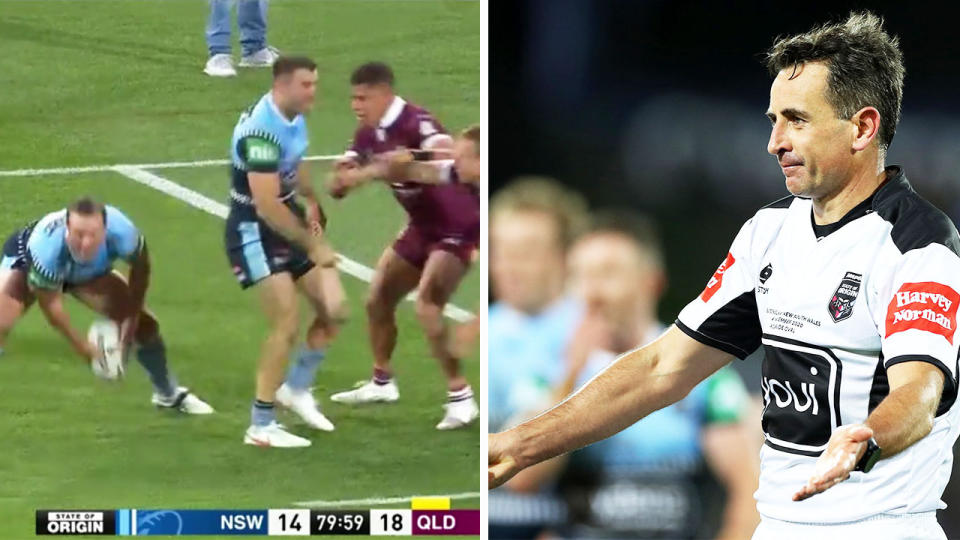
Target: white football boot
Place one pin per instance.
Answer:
(273, 435)
(220, 65)
(183, 400)
(459, 414)
(369, 392)
(303, 403)
(265, 57)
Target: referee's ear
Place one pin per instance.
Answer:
(867, 124)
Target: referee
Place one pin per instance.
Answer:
(849, 285)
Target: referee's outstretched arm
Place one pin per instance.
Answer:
(636, 384)
(904, 417)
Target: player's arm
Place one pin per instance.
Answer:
(265, 190)
(51, 304)
(316, 218)
(124, 239)
(262, 158)
(903, 417)
(409, 165)
(397, 166)
(138, 280)
(423, 172)
(437, 141)
(139, 276)
(635, 385)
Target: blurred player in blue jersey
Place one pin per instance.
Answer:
(73, 250)
(276, 244)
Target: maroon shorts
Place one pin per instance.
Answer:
(415, 245)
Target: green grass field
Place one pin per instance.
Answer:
(108, 82)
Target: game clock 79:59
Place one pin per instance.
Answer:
(347, 522)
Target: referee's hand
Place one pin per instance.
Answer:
(501, 464)
(844, 449)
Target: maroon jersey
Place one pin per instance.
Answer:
(449, 209)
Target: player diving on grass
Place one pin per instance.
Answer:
(433, 252)
(72, 251)
(272, 242)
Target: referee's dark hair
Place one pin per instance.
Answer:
(637, 228)
(372, 73)
(286, 65)
(865, 63)
(86, 206)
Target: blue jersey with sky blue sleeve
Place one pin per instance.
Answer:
(50, 263)
(264, 140)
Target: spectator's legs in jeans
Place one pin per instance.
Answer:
(252, 20)
(218, 27)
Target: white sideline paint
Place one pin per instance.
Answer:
(210, 206)
(165, 165)
(361, 503)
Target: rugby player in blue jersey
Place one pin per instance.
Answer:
(72, 251)
(274, 243)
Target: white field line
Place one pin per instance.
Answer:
(376, 501)
(210, 206)
(165, 165)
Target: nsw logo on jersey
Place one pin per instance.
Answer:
(927, 306)
(841, 304)
(717, 280)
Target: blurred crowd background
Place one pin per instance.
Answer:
(629, 147)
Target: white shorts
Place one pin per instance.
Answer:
(919, 526)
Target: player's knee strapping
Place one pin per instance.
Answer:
(153, 357)
(304, 368)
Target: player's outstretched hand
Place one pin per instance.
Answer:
(502, 466)
(844, 449)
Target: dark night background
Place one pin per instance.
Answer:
(659, 107)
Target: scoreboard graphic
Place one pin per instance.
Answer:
(426, 516)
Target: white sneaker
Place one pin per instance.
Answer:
(184, 401)
(369, 392)
(220, 65)
(265, 57)
(302, 403)
(459, 414)
(273, 434)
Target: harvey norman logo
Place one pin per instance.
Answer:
(927, 306)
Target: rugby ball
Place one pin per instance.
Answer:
(105, 337)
